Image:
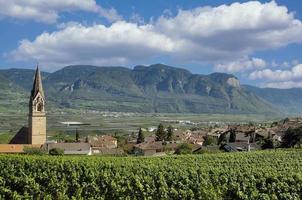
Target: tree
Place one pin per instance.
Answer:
(56, 152)
(77, 135)
(170, 133)
(160, 133)
(268, 143)
(292, 137)
(140, 137)
(222, 138)
(209, 140)
(183, 149)
(232, 136)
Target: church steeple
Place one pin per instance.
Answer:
(37, 117)
(37, 86)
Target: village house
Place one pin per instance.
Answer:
(262, 133)
(216, 132)
(103, 141)
(240, 146)
(154, 148)
(159, 148)
(191, 137)
(71, 148)
(242, 137)
(105, 145)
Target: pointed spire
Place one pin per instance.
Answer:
(37, 86)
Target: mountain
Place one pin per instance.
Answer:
(12, 96)
(21, 77)
(155, 88)
(287, 100)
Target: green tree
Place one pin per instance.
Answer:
(160, 133)
(56, 152)
(232, 136)
(170, 133)
(140, 137)
(183, 149)
(292, 137)
(222, 138)
(77, 135)
(268, 143)
(209, 140)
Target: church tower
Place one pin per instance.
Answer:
(37, 117)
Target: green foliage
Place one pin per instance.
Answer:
(232, 136)
(194, 128)
(34, 151)
(222, 138)
(128, 148)
(160, 133)
(269, 143)
(205, 150)
(69, 140)
(255, 175)
(292, 137)
(56, 152)
(184, 149)
(60, 137)
(209, 140)
(170, 133)
(77, 136)
(140, 137)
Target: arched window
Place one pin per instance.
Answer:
(40, 107)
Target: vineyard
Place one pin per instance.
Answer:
(256, 175)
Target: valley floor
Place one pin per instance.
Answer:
(121, 123)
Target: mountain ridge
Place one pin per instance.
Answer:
(154, 88)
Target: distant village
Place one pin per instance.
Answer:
(152, 141)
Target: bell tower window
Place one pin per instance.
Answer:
(40, 107)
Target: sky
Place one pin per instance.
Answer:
(260, 42)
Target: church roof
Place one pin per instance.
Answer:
(20, 137)
(37, 86)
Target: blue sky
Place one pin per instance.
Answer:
(258, 41)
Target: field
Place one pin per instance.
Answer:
(255, 175)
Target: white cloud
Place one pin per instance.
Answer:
(241, 65)
(110, 14)
(136, 18)
(216, 35)
(230, 32)
(78, 44)
(47, 11)
(278, 75)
